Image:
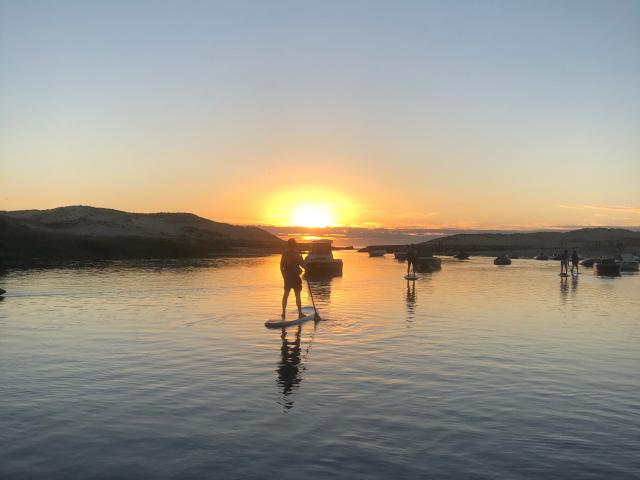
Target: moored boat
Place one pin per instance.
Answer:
(461, 255)
(589, 262)
(320, 259)
(377, 253)
(428, 264)
(502, 260)
(607, 267)
(541, 257)
(628, 263)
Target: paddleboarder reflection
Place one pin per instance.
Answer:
(289, 368)
(564, 289)
(411, 300)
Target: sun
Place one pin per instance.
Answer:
(317, 216)
(311, 208)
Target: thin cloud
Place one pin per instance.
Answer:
(607, 208)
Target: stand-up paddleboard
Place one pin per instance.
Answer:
(563, 274)
(308, 312)
(411, 276)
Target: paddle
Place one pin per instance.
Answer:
(312, 301)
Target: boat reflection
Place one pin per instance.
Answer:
(321, 287)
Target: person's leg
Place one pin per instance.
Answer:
(299, 301)
(285, 298)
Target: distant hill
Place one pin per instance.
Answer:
(587, 241)
(81, 232)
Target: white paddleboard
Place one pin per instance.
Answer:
(309, 314)
(411, 276)
(563, 274)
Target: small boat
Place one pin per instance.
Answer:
(461, 255)
(628, 263)
(541, 257)
(2, 292)
(589, 262)
(428, 264)
(502, 260)
(320, 259)
(401, 256)
(607, 267)
(377, 253)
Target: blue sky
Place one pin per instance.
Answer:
(471, 114)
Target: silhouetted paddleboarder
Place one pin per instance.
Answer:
(564, 263)
(291, 265)
(412, 258)
(574, 261)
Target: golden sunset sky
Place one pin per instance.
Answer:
(514, 115)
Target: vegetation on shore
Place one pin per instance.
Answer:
(587, 241)
(77, 233)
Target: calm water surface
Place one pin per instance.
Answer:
(165, 370)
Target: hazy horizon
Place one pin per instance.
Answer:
(361, 236)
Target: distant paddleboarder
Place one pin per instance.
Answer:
(564, 263)
(412, 259)
(574, 261)
(291, 265)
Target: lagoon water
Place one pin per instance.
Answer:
(165, 370)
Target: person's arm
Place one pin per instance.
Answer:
(282, 264)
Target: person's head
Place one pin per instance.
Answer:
(291, 244)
